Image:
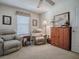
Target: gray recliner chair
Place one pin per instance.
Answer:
(38, 37)
(9, 42)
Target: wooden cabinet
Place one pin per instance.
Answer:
(61, 37)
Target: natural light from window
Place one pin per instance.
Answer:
(23, 25)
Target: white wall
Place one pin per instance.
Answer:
(11, 11)
(67, 6)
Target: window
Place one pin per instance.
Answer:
(23, 25)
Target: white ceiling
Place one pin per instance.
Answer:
(29, 4)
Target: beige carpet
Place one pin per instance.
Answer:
(41, 52)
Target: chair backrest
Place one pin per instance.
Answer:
(37, 32)
(7, 31)
(7, 34)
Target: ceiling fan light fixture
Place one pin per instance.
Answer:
(40, 2)
(50, 2)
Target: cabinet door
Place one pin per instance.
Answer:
(51, 36)
(53, 30)
(61, 36)
(56, 36)
(66, 38)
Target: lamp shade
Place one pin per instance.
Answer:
(44, 22)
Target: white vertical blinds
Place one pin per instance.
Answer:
(23, 25)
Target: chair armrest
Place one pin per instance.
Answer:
(1, 40)
(1, 43)
(1, 46)
(19, 38)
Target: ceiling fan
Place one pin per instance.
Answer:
(49, 1)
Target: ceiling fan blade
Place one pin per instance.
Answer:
(40, 2)
(50, 2)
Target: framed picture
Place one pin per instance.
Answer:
(6, 20)
(34, 22)
(62, 19)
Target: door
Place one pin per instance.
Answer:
(75, 33)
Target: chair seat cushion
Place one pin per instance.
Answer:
(11, 44)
